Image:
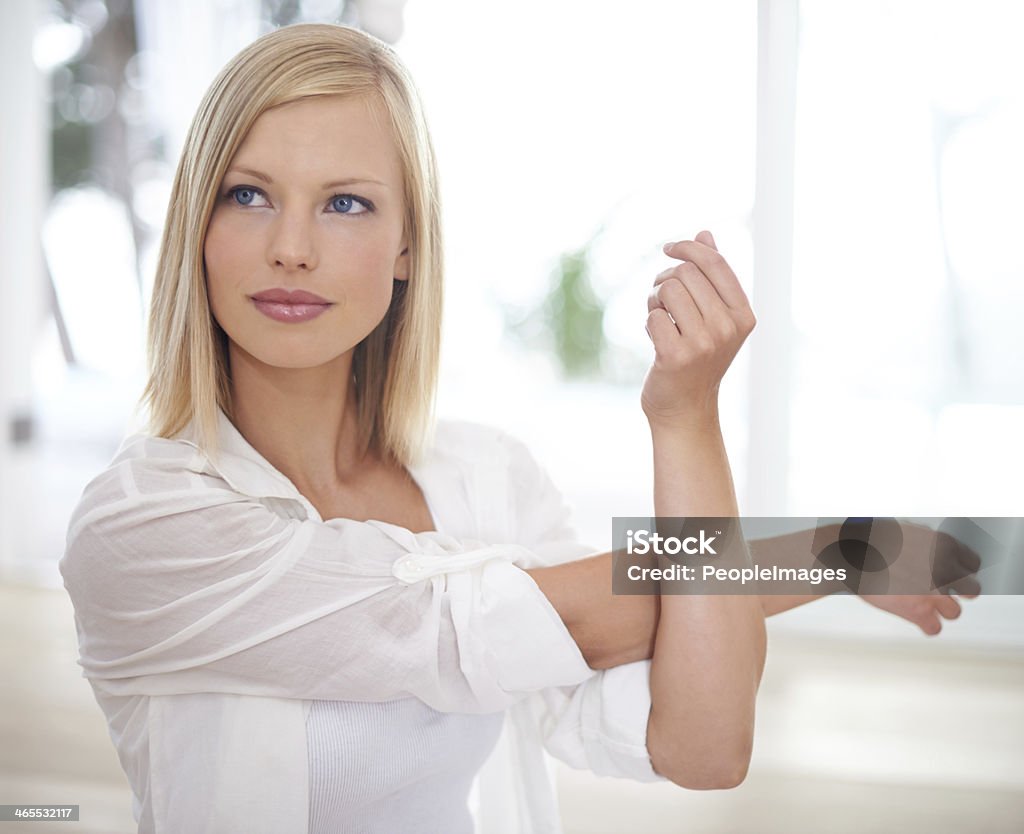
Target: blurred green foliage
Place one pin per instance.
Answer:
(568, 320)
(575, 315)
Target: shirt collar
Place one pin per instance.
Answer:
(249, 473)
(245, 469)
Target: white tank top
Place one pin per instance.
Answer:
(396, 766)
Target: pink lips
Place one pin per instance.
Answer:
(290, 305)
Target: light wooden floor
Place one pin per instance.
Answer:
(852, 738)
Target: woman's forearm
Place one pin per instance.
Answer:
(612, 629)
(791, 550)
(709, 650)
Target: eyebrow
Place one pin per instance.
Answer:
(252, 172)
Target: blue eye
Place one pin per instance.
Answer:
(344, 203)
(243, 195)
(249, 196)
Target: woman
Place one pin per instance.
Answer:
(301, 608)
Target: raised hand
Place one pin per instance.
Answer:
(698, 317)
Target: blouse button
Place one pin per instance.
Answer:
(408, 569)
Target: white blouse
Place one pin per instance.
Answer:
(213, 605)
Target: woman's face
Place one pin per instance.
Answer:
(312, 201)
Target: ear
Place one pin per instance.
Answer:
(401, 270)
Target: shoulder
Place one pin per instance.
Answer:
(509, 489)
(160, 500)
(139, 452)
(479, 443)
(487, 455)
(496, 462)
(148, 479)
(146, 455)
(144, 466)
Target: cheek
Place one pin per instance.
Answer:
(221, 267)
(217, 263)
(219, 254)
(368, 269)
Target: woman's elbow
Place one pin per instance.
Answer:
(717, 778)
(697, 772)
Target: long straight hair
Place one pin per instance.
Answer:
(395, 367)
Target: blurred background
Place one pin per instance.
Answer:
(859, 165)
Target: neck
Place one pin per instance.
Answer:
(302, 420)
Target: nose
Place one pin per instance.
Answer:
(292, 244)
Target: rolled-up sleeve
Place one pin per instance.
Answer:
(599, 724)
(182, 585)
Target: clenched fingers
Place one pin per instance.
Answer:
(717, 270)
(672, 297)
(714, 314)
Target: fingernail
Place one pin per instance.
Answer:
(668, 246)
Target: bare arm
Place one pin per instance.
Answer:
(612, 629)
(791, 548)
(709, 650)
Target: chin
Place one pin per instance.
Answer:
(295, 363)
(282, 355)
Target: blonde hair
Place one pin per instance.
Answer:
(395, 366)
